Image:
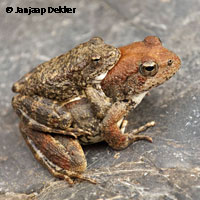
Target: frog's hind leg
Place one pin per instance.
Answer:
(45, 115)
(61, 155)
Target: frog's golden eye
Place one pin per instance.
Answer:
(96, 58)
(170, 62)
(148, 68)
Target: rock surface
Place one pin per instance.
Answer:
(167, 169)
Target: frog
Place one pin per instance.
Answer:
(83, 97)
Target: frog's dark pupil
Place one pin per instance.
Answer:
(149, 68)
(96, 59)
(125, 100)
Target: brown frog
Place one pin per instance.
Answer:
(83, 96)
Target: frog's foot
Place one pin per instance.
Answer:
(134, 134)
(57, 172)
(113, 127)
(61, 155)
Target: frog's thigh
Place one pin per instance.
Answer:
(39, 110)
(63, 156)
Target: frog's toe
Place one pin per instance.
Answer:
(143, 128)
(133, 136)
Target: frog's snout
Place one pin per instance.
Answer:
(19, 86)
(178, 62)
(16, 87)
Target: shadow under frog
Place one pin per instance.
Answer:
(83, 96)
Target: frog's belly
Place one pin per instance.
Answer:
(90, 139)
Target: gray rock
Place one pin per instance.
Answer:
(167, 169)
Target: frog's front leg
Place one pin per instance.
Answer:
(62, 155)
(99, 100)
(113, 127)
(45, 115)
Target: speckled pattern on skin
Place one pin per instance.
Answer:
(125, 79)
(84, 96)
(64, 77)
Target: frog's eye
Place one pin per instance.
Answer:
(96, 58)
(170, 62)
(148, 68)
(96, 40)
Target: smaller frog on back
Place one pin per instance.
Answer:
(65, 77)
(83, 97)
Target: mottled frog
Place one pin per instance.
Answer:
(83, 97)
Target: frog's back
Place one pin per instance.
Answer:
(50, 79)
(63, 77)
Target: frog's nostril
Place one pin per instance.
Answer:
(170, 62)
